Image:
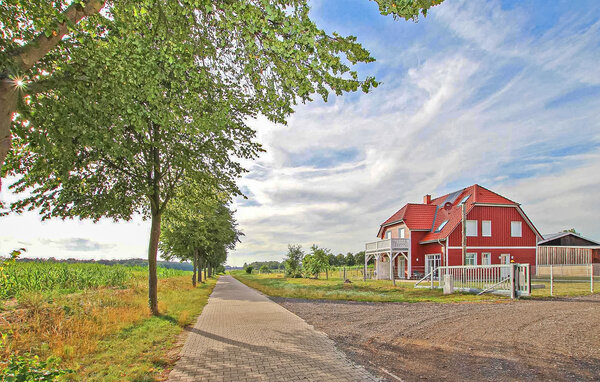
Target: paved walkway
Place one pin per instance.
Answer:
(243, 336)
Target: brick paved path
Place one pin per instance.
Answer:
(243, 336)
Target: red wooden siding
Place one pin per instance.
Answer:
(500, 218)
(523, 256)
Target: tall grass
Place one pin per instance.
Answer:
(44, 276)
(104, 334)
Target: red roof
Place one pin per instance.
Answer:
(445, 208)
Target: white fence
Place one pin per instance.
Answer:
(506, 279)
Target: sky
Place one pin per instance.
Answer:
(505, 94)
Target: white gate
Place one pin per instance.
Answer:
(432, 262)
(506, 279)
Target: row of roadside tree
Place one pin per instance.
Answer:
(116, 109)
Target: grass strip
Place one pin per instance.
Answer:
(275, 284)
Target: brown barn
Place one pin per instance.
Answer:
(568, 249)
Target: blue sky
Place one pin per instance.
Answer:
(505, 94)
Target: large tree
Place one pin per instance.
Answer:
(39, 37)
(158, 92)
(161, 114)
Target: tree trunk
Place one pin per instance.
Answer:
(8, 105)
(205, 273)
(199, 269)
(209, 270)
(152, 255)
(195, 263)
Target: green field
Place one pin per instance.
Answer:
(49, 276)
(94, 319)
(275, 284)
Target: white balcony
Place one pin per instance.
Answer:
(387, 246)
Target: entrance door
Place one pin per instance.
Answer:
(505, 260)
(432, 262)
(401, 267)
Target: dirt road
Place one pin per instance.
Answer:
(506, 341)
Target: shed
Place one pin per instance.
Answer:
(568, 249)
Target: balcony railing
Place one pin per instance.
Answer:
(387, 245)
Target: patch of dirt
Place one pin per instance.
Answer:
(556, 340)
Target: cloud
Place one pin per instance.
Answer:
(500, 94)
(78, 245)
(496, 104)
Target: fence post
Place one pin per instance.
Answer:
(432, 279)
(592, 278)
(512, 280)
(551, 280)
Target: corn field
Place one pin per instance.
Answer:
(43, 276)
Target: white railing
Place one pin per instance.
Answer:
(387, 245)
(510, 279)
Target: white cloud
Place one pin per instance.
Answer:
(477, 97)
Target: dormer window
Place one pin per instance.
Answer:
(464, 199)
(441, 226)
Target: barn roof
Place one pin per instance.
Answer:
(552, 236)
(443, 213)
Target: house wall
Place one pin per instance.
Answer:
(500, 218)
(394, 228)
(426, 249)
(518, 255)
(521, 249)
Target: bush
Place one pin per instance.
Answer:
(264, 269)
(30, 368)
(249, 269)
(220, 269)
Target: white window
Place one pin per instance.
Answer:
(388, 235)
(486, 259)
(486, 228)
(515, 229)
(471, 259)
(401, 233)
(471, 227)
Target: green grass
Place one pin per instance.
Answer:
(565, 288)
(105, 333)
(138, 352)
(334, 289)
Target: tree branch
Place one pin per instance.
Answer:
(29, 54)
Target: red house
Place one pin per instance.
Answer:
(422, 236)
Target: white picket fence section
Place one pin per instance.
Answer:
(506, 279)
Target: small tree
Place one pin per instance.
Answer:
(265, 269)
(293, 261)
(249, 269)
(316, 262)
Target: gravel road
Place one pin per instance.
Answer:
(556, 340)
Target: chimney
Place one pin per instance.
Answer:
(427, 199)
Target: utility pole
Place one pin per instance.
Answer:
(464, 233)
